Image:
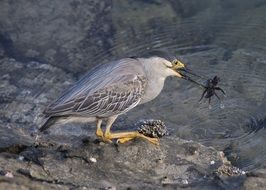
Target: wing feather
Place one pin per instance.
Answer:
(103, 94)
(115, 99)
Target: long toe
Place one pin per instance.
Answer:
(154, 141)
(104, 139)
(124, 140)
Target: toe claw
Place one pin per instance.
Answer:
(123, 140)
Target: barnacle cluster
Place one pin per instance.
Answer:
(152, 128)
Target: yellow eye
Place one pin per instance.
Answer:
(177, 64)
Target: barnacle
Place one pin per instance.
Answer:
(152, 128)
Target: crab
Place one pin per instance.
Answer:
(210, 88)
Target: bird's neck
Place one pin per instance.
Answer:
(153, 89)
(154, 85)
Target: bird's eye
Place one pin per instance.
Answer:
(175, 62)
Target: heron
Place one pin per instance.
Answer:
(111, 89)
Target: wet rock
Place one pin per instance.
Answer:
(255, 183)
(33, 155)
(258, 173)
(256, 179)
(13, 141)
(137, 164)
(65, 34)
(30, 87)
(24, 183)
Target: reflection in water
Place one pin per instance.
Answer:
(225, 50)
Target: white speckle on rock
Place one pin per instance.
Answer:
(184, 181)
(92, 159)
(21, 158)
(212, 162)
(9, 174)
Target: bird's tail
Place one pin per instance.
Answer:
(51, 120)
(48, 121)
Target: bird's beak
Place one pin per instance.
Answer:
(182, 71)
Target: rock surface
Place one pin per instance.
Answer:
(89, 164)
(256, 180)
(65, 34)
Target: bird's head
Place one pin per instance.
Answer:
(172, 66)
(180, 70)
(169, 65)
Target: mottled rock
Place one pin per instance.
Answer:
(256, 180)
(13, 141)
(137, 164)
(26, 90)
(255, 183)
(65, 34)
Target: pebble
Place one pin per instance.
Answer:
(8, 174)
(159, 161)
(92, 159)
(184, 181)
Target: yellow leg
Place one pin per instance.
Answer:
(109, 124)
(99, 132)
(125, 136)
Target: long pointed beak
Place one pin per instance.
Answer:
(184, 71)
(189, 71)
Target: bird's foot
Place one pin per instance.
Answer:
(151, 140)
(99, 133)
(124, 137)
(106, 140)
(124, 140)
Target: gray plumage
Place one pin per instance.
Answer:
(103, 93)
